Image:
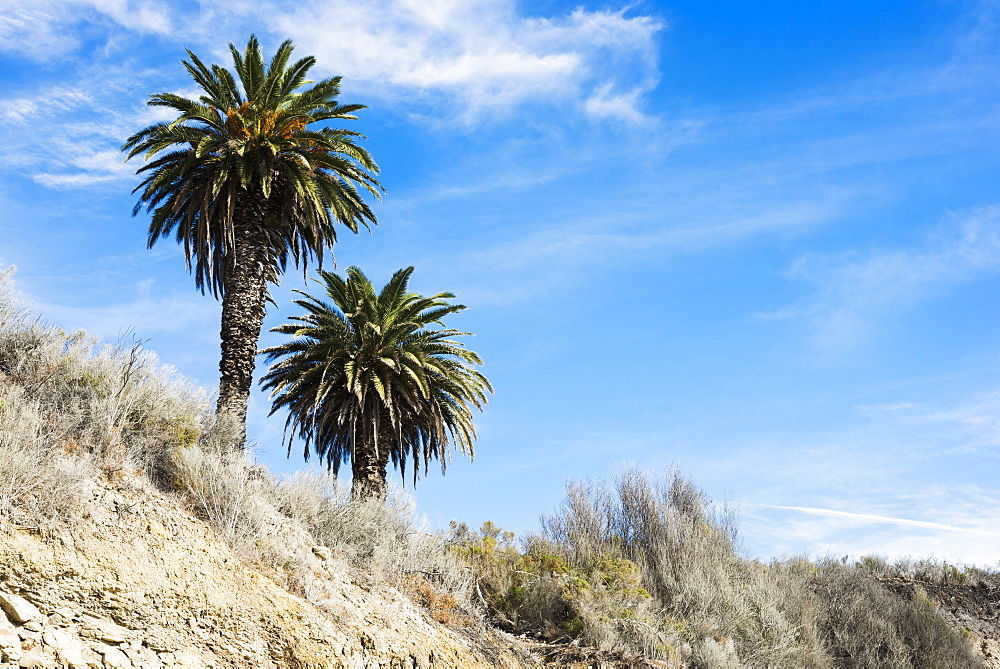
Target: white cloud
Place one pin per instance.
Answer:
(146, 315)
(33, 29)
(56, 99)
(444, 60)
(41, 29)
(481, 53)
(142, 15)
(962, 535)
(63, 137)
(92, 165)
(890, 406)
(604, 103)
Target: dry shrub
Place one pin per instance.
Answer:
(443, 606)
(867, 625)
(38, 479)
(633, 565)
(228, 492)
(70, 408)
(648, 567)
(706, 601)
(382, 538)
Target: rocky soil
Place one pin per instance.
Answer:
(140, 582)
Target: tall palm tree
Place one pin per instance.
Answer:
(367, 378)
(247, 176)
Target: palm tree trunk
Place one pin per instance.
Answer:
(243, 305)
(368, 469)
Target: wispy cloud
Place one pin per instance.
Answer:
(89, 165)
(69, 136)
(483, 56)
(23, 110)
(914, 479)
(855, 292)
(440, 61)
(869, 518)
(968, 535)
(41, 29)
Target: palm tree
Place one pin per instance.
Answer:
(367, 378)
(243, 183)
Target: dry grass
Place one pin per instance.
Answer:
(70, 408)
(867, 625)
(228, 492)
(40, 476)
(383, 539)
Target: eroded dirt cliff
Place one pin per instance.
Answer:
(138, 581)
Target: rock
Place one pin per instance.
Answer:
(134, 654)
(66, 612)
(126, 593)
(29, 639)
(36, 660)
(11, 655)
(18, 609)
(9, 639)
(57, 620)
(189, 660)
(93, 659)
(104, 630)
(68, 648)
(8, 636)
(72, 657)
(115, 658)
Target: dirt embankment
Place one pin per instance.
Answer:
(139, 582)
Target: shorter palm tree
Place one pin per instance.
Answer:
(368, 379)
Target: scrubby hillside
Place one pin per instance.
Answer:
(648, 568)
(130, 537)
(127, 538)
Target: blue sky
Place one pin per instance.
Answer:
(757, 240)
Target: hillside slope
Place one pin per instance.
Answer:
(139, 581)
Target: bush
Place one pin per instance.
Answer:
(228, 492)
(383, 539)
(634, 565)
(70, 407)
(650, 568)
(39, 477)
(867, 625)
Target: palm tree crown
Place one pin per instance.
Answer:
(369, 379)
(252, 138)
